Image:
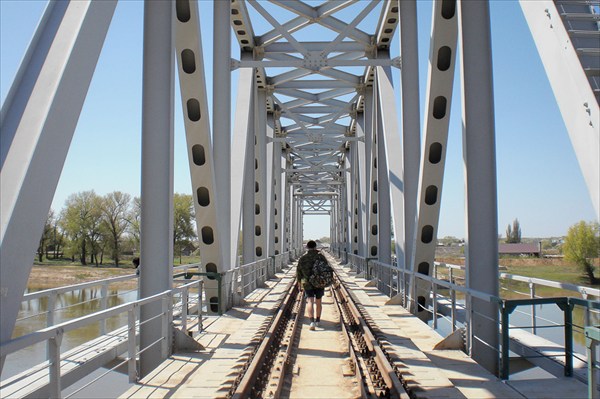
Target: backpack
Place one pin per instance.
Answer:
(322, 274)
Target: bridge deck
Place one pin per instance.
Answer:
(320, 365)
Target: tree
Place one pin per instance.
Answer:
(46, 236)
(115, 219)
(513, 235)
(78, 220)
(581, 245)
(183, 222)
(135, 217)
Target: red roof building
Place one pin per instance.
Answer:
(533, 249)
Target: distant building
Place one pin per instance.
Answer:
(532, 249)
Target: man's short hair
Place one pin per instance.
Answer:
(311, 244)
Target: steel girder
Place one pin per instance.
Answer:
(156, 238)
(570, 77)
(192, 83)
(314, 99)
(37, 122)
(443, 46)
(479, 142)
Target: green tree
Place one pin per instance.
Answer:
(135, 217)
(79, 220)
(46, 236)
(581, 245)
(513, 235)
(115, 207)
(183, 222)
(96, 230)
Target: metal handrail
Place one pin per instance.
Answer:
(393, 274)
(47, 333)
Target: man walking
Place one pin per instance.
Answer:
(312, 294)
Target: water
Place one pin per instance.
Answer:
(69, 306)
(550, 323)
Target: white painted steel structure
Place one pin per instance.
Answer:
(315, 132)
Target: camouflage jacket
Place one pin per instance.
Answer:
(305, 265)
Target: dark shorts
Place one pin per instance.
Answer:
(316, 293)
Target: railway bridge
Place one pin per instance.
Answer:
(315, 128)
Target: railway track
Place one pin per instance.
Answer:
(264, 373)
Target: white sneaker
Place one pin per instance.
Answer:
(317, 324)
(312, 326)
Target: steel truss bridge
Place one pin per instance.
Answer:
(315, 131)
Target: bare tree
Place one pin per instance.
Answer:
(115, 208)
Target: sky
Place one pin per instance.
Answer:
(539, 180)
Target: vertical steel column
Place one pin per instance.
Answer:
(372, 249)
(480, 166)
(287, 209)
(384, 214)
(411, 128)
(244, 123)
(392, 189)
(354, 198)
(37, 122)
(362, 181)
(260, 174)
(348, 206)
(157, 177)
(275, 225)
(294, 216)
(222, 123)
(249, 194)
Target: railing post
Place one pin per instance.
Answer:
(54, 366)
(103, 305)
(568, 310)
(50, 318)
(532, 296)
(505, 341)
(164, 345)
(220, 293)
(184, 310)
(434, 293)
(200, 304)
(435, 304)
(131, 345)
(453, 308)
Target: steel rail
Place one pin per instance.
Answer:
(253, 378)
(384, 378)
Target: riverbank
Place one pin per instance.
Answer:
(45, 276)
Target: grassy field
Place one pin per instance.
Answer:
(554, 269)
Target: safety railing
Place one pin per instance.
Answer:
(184, 301)
(54, 334)
(51, 297)
(394, 282)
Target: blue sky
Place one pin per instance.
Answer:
(539, 181)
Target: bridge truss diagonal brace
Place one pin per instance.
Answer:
(194, 100)
(442, 60)
(571, 87)
(37, 122)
